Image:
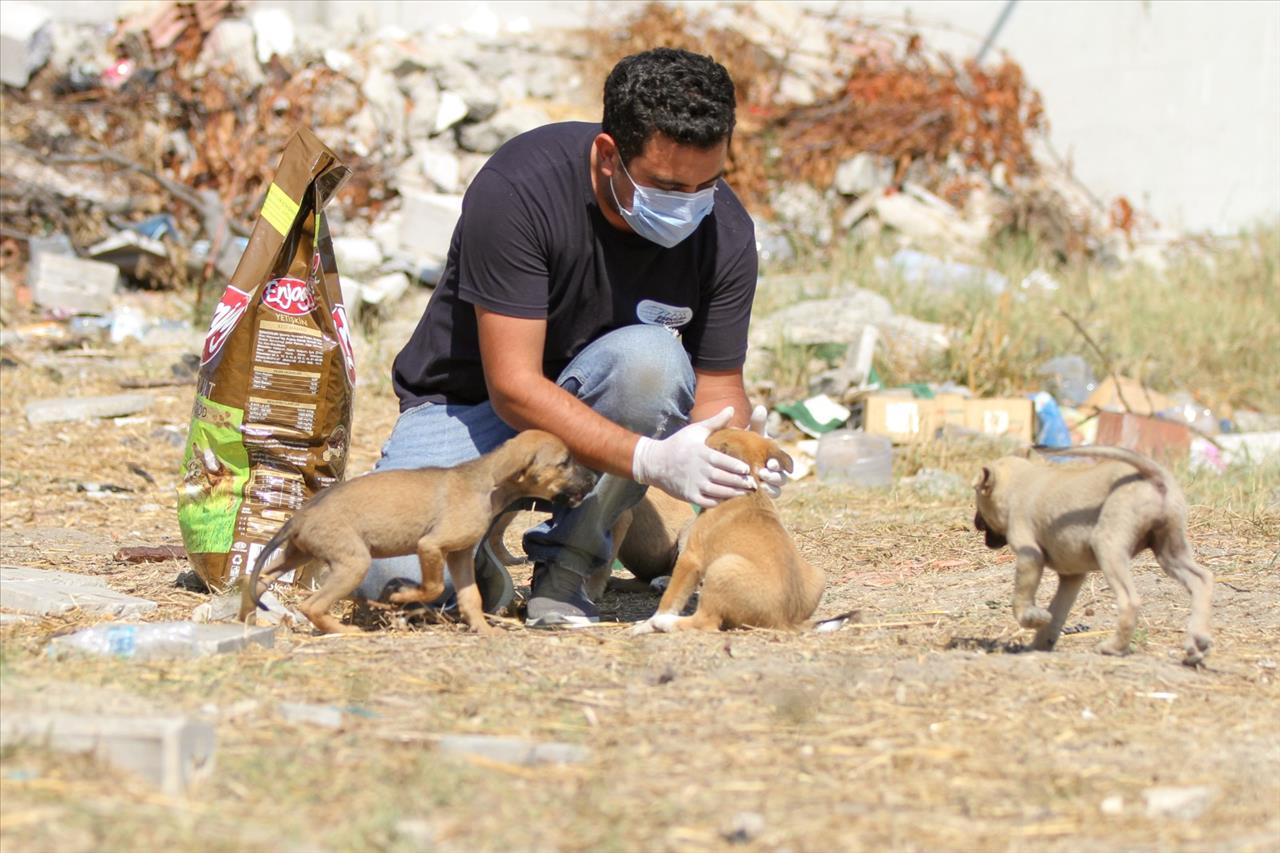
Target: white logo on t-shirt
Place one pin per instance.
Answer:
(659, 314)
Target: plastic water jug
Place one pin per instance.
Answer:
(856, 458)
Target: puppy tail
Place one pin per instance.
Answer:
(249, 594)
(1153, 471)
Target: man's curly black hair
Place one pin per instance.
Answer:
(679, 94)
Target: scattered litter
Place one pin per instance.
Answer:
(855, 458)
(155, 640)
(816, 415)
(226, 608)
(938, 275)
(936, 483)
(1163, 696)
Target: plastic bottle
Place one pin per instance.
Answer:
(856, 458)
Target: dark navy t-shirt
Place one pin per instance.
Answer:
(532, 243)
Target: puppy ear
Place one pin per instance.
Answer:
(985, 481)
(782, 458)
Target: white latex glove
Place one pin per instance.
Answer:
(684, 467)
(772, 478)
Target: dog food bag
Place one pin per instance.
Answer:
(272, 417)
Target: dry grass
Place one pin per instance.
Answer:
(897, 732)
(1208, 325)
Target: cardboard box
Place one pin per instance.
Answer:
(1164, 441)
(906, 419)
(1010, 417)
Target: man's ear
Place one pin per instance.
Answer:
(607, 154)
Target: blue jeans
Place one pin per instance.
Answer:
(639, 377)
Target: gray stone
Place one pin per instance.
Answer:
(74, 285)
(25, 41)
(307, 714)
(936, 483)
(863, 173)
(45, 592)
(160, 640)
(460, 79)
(171, 752)
(424, 101)
(486, 137)
(511, 750)
(427, 221)
(85, 408)
(807, 212)
(1181, 803)
(817, 321)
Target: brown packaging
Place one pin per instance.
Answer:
(272, 417)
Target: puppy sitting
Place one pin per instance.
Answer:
(1082, 520)
(439, 513)
(750, 571)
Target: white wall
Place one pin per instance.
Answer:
(1173, 104)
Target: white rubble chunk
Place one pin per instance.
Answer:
(45, 592)
(74, 285)
(84, 408)
(427, 221)
(171, 752)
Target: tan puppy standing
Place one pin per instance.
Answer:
(441, 514)
(1081, 520)
(750, 571)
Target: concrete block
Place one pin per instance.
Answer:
(45, 592)
(162, 640)
(427, 222)
(307, 714)
(511, 750)
(25, 41)
(85, 408)
(170, 752)
(75, 285)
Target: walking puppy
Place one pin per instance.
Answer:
(439, 513)
(1083, 520)
(750, 571)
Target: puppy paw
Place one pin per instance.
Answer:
(1034, 617)
(661, 623)
(1195, 648)
(1112, 647)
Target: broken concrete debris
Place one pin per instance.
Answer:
(170, 752)
(45, 592)
(84, 408)
(510, 750)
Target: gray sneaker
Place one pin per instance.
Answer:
(493, 580)
(557, 599)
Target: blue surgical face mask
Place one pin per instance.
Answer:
(665, 217)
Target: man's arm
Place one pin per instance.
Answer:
(511, 351)
(716, 389)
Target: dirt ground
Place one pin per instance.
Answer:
(915, 727)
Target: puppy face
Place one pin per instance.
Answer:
(991, 488)
(550, 472)
(751, 447)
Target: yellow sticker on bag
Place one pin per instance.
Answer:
(279, 209)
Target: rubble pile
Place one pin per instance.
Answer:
(848, 125)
